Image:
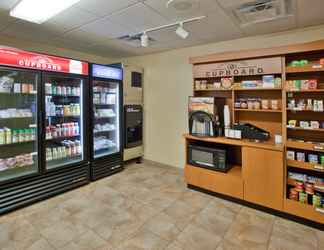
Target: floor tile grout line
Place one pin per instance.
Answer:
(271, 231)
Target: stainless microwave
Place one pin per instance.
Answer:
(207, 157)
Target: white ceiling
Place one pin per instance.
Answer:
(93, 25)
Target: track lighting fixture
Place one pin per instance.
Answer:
(144, 40)
(180, 31)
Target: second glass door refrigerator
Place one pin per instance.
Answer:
(106, 112)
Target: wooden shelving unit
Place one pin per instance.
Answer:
(262, 176)
(302, 138)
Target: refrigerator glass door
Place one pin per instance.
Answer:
(18, 123)
(106, 118)
(64, 122)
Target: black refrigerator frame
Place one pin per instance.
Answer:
(105, 165)
(27, 189)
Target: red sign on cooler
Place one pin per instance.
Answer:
(24, 59)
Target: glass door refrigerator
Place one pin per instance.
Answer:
(106, 96)
(43, 121)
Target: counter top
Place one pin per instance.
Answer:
(270, 145)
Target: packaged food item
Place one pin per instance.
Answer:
(17, 88)
(8, 135)
(15, 136)
(30, 88)
(292, 123)
(290, 155)
(48, 88)
(304, 124)
(309, 188)
(316, 200)
(24, 88)
(309, 104)
(227, 82)
(293, 194)
(250, 103)
(265, 104)
(314, 124)
(268, 81)
(2, 137)
(312, 84)
(300, 156)
(312, 158)
(6, 84)
(302, 197)
(274, 104)
(322, 159)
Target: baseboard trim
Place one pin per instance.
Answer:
(161, 165)
(261, 208)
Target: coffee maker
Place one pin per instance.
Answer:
(206, 116)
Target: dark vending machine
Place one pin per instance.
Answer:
(43, 114)
(106, 122)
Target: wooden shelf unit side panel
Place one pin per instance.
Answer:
(303, 211)
(263, 175)
(284, 122)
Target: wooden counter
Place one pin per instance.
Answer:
(223, 140)
(257, 177)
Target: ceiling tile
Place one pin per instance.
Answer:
(310, 12)
(106, 27)
(232, 3)
(138, 17)
(8, 4)
(71, 18)
(30, 31)
(278, 25)
(204, 7)
(5, 20)
(80, 35)
(104, 7)
(217, 25)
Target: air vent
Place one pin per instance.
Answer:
(262, 11)
(134, 40)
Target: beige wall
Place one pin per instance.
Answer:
(168, 83)
(43, 48)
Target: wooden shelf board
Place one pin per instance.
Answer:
(305, 91)
(305, 146)
(305, 110)
(260, 110)
(208, 90)
(307, 68)
(255, 89)
(305, 165)
(303, 129)
(223, 140)
(303, 210)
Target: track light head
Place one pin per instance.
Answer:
(144, 40)
(181, 32)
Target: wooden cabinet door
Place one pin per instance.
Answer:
(263, 176)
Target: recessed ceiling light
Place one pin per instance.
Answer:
(183, 5)
(180, 31)
(39, 11)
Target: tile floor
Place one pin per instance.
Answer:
(148, 207)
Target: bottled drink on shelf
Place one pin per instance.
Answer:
(62, 130)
